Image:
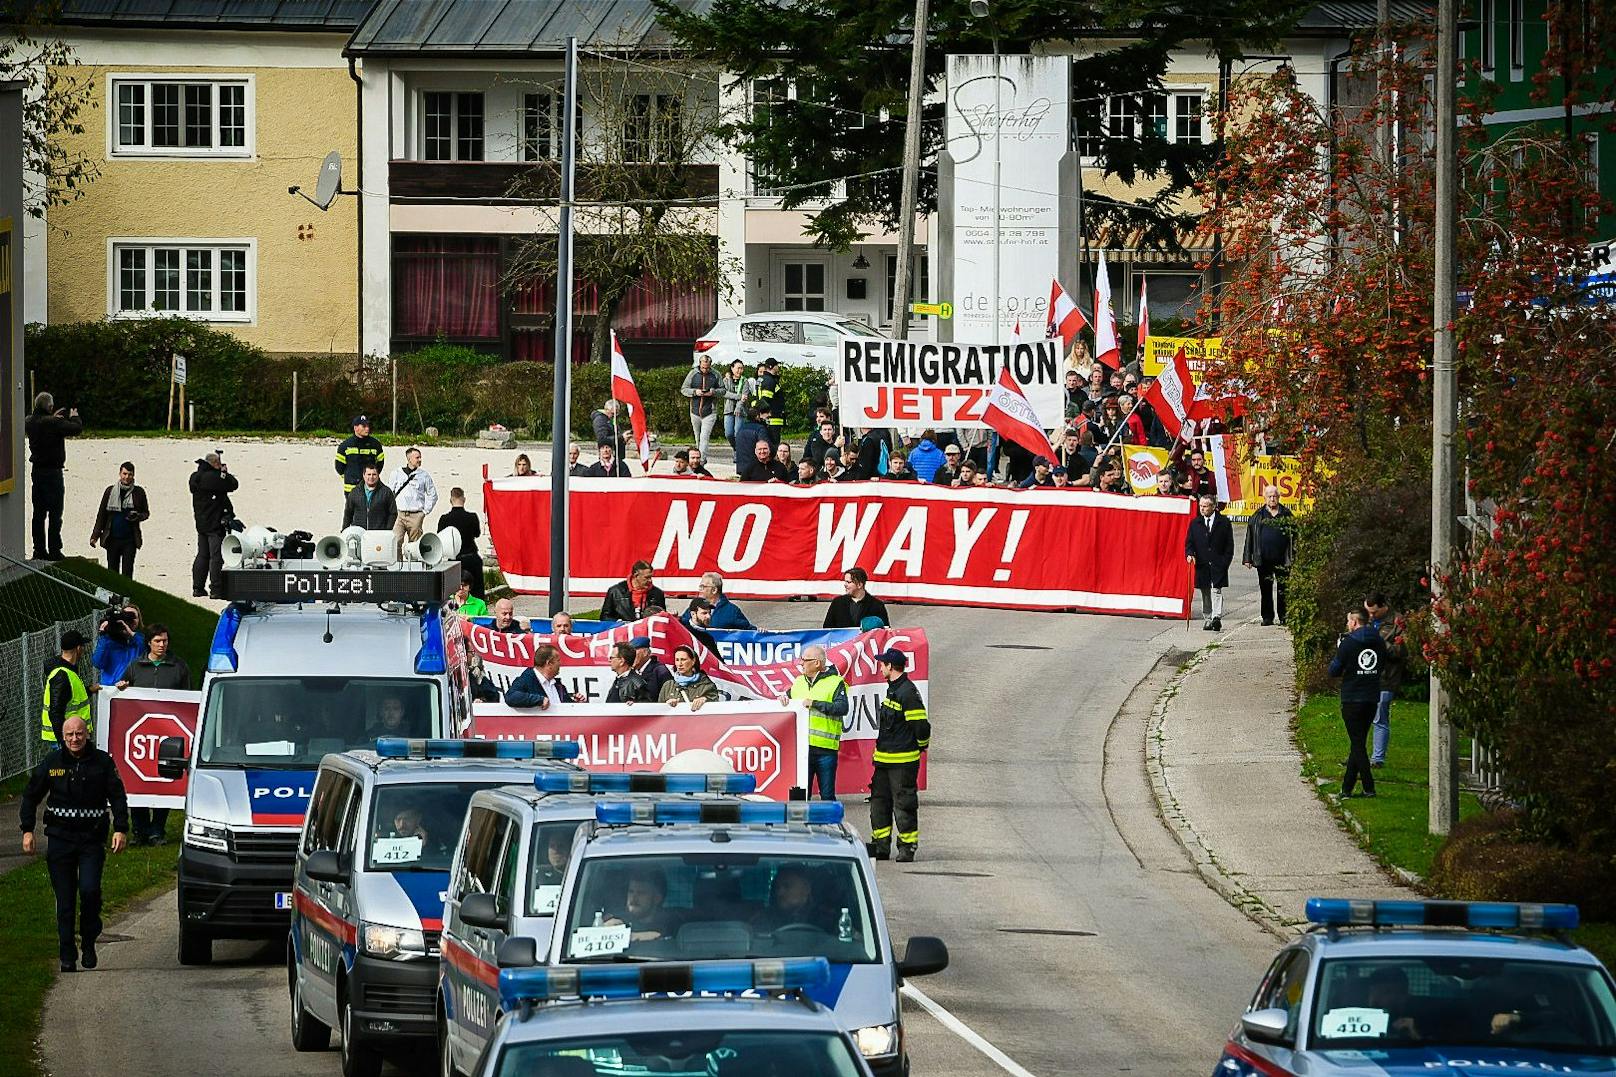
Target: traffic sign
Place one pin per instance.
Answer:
(179, 369)
(751, 749)
(142, 739)
(936, 310)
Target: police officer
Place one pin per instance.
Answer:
(80, 786)
(66, 694)
(902, 733)
(826, 694)
(771, 398)
(358, 451)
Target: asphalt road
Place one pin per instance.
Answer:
(1082, 942)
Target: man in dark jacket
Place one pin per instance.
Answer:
(1270, 546)
(903, 732)
(610, 464)
(370, 504)
(753, 430)
(158, 669)
(1358, 661)
(651, 669)
(761, 466)
(48, 429)
(357, 451)
(771, 398)
(540, 685)
(80, 788)
(604, 421)
(118, 519)
(211, 487)
(849, 609)
(1209, 546)
(821, 441)
(463, 520)
(629, 687)
(627, 601)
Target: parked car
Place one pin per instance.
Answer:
(795, 337)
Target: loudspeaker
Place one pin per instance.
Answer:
(250, 545)
(330, 552)
(429, 549)
(376, 548)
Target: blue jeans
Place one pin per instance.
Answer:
(822, 769)
(1383, 727)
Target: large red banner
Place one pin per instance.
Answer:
(131, 724)
(767, 741)
(1022, 549)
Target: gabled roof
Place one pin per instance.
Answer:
(336, 16)
(507, 27)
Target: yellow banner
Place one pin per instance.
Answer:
(1144, 464)
(1281, 472)
(1159, 351)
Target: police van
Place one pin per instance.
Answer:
(310, 657)
(506, 881)
(725, 879)
(368, 886)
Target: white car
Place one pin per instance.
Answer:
(795, 337)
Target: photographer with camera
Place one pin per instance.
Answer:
(117, 521)
(211, 487)
(118, 643)
(48, 429)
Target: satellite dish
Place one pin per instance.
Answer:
(330, 181)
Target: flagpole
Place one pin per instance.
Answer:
(561, 406)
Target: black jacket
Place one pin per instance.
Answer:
(867, 465)
(606, 435)
(79, 794)
(1358, 660)
(754, 470)
(352, 456)
(619, 605)
(139, 511)
(47, 438)
(1212, 548)
(377, 514)
(770, 396)
(630, 686)
(210, 499)
(465, 521)
(747, 435)
(1271, 532)
(898, 730)
(845, 613)
(173, 673)
(597, 470)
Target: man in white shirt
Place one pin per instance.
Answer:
(414, 494)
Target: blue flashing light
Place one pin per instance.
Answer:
(741, 812)
(432, 658)
(448, 748)
(222, 656)
(546, 983)
(1348, 912)
(642, 782)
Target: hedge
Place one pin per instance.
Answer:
(116, 374)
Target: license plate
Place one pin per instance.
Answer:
(283, 900)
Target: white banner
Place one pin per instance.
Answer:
(913, 385)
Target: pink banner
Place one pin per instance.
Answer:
(129, 727)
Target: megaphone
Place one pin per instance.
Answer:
(376, 548)
(330, 552)
(429, 549)
(250, 545)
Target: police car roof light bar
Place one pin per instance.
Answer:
(222, 656)
(1353, 912)
(448, 748)
(548, 983)
(642, 782)
(433, 657)
(741, 812)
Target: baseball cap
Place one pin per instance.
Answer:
(360, 420)
(771, 361)
(1042, 461)
(893, 657)
(72, 638)
(640, 641)
(1059, 471)
(952, 450)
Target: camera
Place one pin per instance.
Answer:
(117, 625)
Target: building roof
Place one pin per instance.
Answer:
(508, 27)
(1345, 16)
(337, 16)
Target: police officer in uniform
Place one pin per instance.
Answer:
(902, 733)
(357, 452)
(771, 398)
(826, 695)
(66, 694)
(81, 788)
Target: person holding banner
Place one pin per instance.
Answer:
(540, 686)
(688, 684)
(849, 610)
(903, 733)
(629, 687)
(1209, 546)
(159, 671)
(826, 695)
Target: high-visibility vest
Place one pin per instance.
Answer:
(78, 703)
(824, 730)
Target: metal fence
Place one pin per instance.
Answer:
(22, 690)
(1485, 773)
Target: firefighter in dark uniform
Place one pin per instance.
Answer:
(902, 733)
(81, 789)
(771, 397)
(356, 452)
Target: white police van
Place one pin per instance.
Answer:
(293, 676)
(506, 881)
(368, 887)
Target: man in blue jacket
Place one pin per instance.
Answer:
(1358, 661)
(726, 614)
(118, 644)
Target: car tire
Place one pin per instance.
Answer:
(446, 1066)
(359, 1059)
(195, 947)
(309, 1033)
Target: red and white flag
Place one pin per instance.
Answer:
(1011, 415)
(1172, 394)
(1106, 348)
(1065, 320)
(1225, 462)
(625, 393)
(1144, 318)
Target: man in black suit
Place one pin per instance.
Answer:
(1209, 546)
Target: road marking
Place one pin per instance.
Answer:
(966, 1033)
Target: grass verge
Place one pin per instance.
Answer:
(190, 626)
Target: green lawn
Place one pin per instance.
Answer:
(190, 626)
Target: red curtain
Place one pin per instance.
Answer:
(446, 286)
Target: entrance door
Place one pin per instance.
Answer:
(804, 284)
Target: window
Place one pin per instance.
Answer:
(1087, 129)
(182, 117)
(1517, 40)
(1172, 295)
(1282, 989)
(1156, 115)
(1187, 126)
(919, 280)
(200, 279)
(804, 286)
(770, 332)
(652, 128)
(446, 286)
(1489, 43)
(328, 809)
(1173, 117)
(1120, 117)
(539, 140)
(820, 336)
(452, 127)
(483, 852)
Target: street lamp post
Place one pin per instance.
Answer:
(982, 9)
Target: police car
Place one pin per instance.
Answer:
(1428, 987)
(506, 881)
(709, 1019)
(726, 879)
(368, 887)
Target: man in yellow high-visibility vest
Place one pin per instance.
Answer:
(826, 694)
(66, 693)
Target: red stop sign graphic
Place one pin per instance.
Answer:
(751, 749)
(140, 743)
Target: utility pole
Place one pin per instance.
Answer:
(1444, 753)
(561, 408)
(911, 175)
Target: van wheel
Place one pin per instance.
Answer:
(358, 1059)
(309, 1033)
(446, 1066)
(195, 947)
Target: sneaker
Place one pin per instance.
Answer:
(89, 955)
(1217, 624)
(1206, 626)
(905, 854)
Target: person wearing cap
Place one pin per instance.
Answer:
(832, 470)
(772, 397)
(650, 668)
(211, 485)
(357, 450)
(851, 608)
(948, 474)
(1062, 477)
(826, 696)
(66, 693)
(903, 732)
(1042, 474)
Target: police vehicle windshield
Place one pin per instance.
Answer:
(700, 906)
(1462, 1001)
(296, 721)
(696, 1054)
(552, 850)
(414, 826)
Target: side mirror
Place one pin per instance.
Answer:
(923, 956)
(173, 757)
(481, 910)
(1267, 1026)
(326, 866)
(516, 953)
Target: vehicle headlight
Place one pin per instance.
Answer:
(392, 943)
(202, 834)
(876, 1040)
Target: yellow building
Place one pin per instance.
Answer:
(199, 123)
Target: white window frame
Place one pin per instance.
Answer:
(116, 244)
(248, 149)
(454, 125)
(1132, 125)
(1517, 40)
(1488, 37)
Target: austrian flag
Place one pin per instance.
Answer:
(625, 392)
(1172, 395)
(1065, 320)
(1010, 414)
